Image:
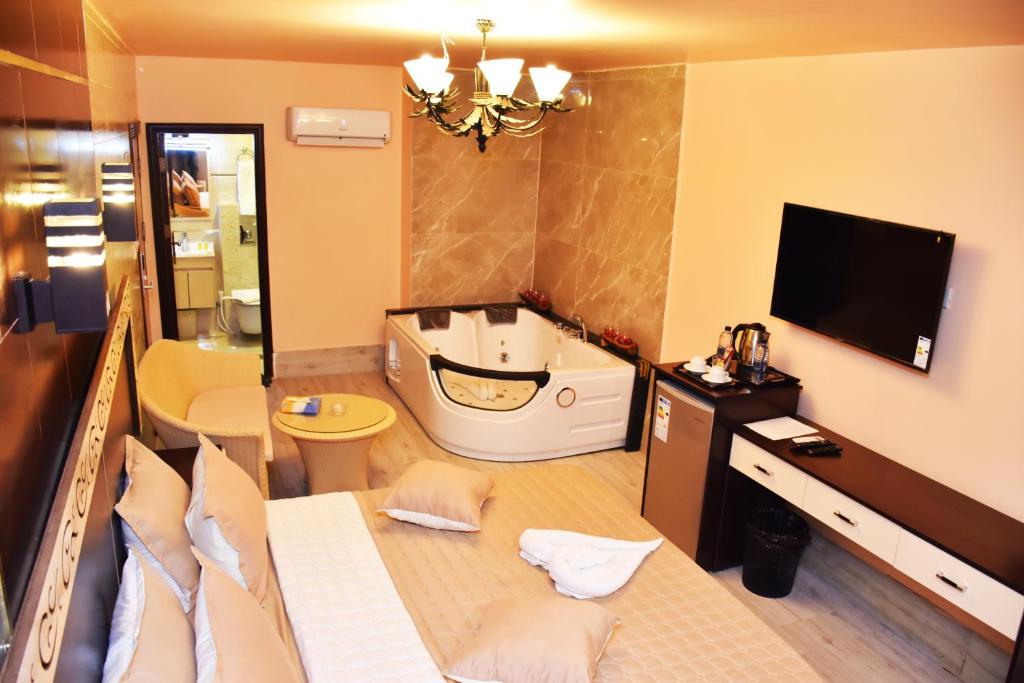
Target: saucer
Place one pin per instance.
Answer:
(696, 371)
(707, 378)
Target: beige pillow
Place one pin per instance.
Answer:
(235, 641)
(151, 637)
(438, 495)
(153, 513)
(227, 518)
(535, 640)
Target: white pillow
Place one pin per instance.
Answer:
(206, 532)
(124, 628)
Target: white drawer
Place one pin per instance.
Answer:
(990, 601)
(768, 470)
(862, 526)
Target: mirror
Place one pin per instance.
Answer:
(190, 182)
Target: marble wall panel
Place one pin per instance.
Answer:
(555, 268)
(474, 215)
(469, 268)
(606, 202)
(629, 216)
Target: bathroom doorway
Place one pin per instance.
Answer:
(208, 193)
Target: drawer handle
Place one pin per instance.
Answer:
(950, 582)
(840, 515)
(763, 470)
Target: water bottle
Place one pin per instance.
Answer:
(759, 362)
(724, 341)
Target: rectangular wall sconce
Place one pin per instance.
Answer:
(75, 296)
(118, 202)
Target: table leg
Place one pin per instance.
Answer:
(337, 465)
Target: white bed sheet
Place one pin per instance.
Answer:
(349, 622)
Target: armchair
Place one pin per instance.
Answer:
(187, 391)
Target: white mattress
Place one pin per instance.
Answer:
(349, 622)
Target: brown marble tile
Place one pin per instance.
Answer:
(662, 71)
(565, 134)
(469, 268)
(554, 272)
(560, 201)
(629, 217)
(473, 195)
(635, 125)
(610, 292)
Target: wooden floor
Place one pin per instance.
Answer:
(847, 620)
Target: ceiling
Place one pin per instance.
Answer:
(577, 34)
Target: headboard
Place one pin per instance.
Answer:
(62, 628)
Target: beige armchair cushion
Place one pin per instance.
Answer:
(235, 408)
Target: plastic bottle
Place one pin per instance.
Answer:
(759, 362)
(724, 341)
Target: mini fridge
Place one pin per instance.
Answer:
(677, 466)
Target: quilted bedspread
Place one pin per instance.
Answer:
(677, 623)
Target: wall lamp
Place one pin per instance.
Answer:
(74, 299)
(118, 202)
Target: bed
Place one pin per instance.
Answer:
(391, 597)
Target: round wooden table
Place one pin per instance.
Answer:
(335, 444)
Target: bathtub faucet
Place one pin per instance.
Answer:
(578, 319)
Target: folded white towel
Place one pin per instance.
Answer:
(482, 389)
(245, 183)
(584, 566)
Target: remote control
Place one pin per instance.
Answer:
(807, 446)
(828, 450)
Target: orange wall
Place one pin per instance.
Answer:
(334, 215)
(931, 138)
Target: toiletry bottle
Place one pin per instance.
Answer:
(724, 341)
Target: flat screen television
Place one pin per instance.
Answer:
(876, 285)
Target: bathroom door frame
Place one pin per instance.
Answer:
(163, 236)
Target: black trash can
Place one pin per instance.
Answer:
(776, 538)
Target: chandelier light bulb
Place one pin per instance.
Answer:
(502, 75)
(549, 82)
(429, 73)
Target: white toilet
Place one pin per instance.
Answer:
(247, 310)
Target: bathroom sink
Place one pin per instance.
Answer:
(195, 250)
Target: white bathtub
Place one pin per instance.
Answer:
(583, 405)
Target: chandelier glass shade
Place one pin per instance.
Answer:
(495, 107)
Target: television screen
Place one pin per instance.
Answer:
(870, 283)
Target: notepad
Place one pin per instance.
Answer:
(781, 428)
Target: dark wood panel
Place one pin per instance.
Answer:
(46, 23)
(103, 553)
(984, 538)
(16, 31)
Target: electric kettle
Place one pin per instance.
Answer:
(745, 337)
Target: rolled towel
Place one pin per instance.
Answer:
(584, 566)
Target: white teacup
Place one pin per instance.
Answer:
(718, 374)
(697, 363)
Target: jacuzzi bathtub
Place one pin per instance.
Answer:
(510, 392)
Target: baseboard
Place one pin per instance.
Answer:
(337, 361)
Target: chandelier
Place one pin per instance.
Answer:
(495, 108)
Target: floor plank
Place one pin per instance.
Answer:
(848, 621)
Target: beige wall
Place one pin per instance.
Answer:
(473, 214)
(607, 197)
(334, 215)
(930, 138)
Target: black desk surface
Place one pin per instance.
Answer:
(980, 536)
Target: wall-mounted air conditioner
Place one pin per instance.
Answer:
(338, 127)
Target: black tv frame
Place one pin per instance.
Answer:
(938, 311)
